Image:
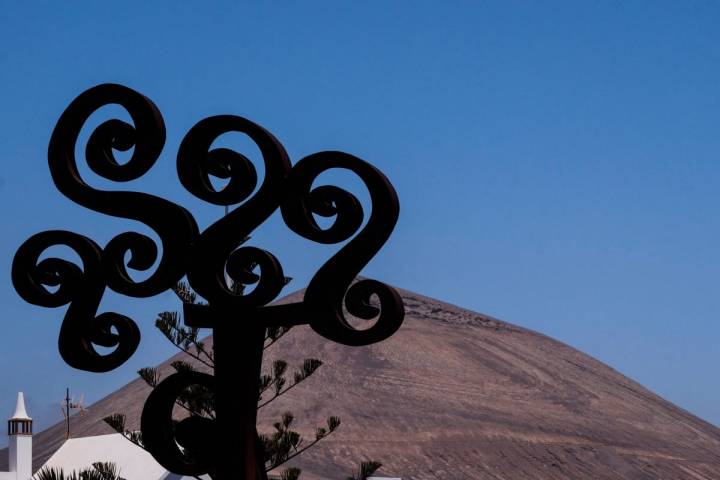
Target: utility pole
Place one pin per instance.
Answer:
(67, 411)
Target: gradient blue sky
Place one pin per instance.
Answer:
(557, 162)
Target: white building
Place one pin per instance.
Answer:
(77, 454)
(20, 443)
(132, 461)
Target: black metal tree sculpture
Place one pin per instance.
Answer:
(228, 446)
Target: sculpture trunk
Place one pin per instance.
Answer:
(238, 346)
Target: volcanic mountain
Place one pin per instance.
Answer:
(455, 394)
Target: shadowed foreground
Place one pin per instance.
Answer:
(458, 395)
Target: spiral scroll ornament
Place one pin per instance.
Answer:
(209, 259)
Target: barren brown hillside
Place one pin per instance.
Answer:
(458, 395)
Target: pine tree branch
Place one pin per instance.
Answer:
(274, 335)
(196, 357)
(183, 291)
(187, 350)
(267, 345)
(193, 412)
(264, 389)
(152, 378)
(366, 469)
(201, 349)
(282, 392)
(310, 366)
(298, 452)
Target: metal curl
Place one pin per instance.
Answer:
(196, 160)
(117, 135)
(268, 283)
(331, 285)
(389, 315)
(326, 201)
(173, 224)
(83, 289)
(79, 333)
(216, 244)
(143, 253)
(163, 437)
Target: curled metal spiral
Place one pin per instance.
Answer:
(173, 224)
(212, 260)
(183, 447)
(332, 286)
(82, 288)
(215, 253)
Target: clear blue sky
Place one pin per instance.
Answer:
(558, 163)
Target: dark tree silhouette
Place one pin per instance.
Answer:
(98, 471)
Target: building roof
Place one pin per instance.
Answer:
(133, 462)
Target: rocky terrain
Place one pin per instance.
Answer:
(459, 395)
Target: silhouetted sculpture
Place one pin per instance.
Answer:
(226, 447)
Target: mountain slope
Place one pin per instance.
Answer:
(458, 395)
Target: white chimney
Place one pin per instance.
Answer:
(20, 439)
